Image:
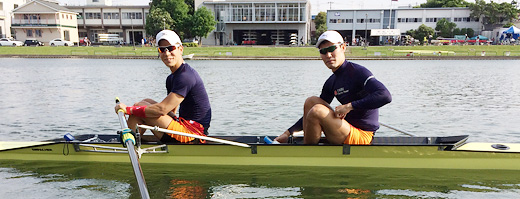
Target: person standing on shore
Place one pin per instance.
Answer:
(354, 86)
(186, 93)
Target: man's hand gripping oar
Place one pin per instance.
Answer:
(128, 140)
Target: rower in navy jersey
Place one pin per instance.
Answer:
(355, 87)
(185, 93)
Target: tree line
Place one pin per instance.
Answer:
(181, 17)
(491, 14)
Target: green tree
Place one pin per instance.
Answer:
(470, 32)
(410, 32)
(445, 28)
(457, 31)
(178, 12)
(463, 31)
(507, 25)
(157, 20)
(320, 30)
(444, 4)
(191, 6)
(321, 23)
(421, 32)
(494, 13)
(202, 23)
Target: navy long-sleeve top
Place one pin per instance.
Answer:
(353, 83)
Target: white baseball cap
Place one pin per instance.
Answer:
(330, 35)
(169, 36)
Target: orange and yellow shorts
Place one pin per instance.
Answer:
(359, 137)
(190, 127)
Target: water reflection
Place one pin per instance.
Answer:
(115, 180)
(186, 189)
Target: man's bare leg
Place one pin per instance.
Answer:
(319, 116)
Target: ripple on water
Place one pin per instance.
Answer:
(15, 183)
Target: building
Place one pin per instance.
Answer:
(354, 24)
(100, 17)
(6, 8)
(263, 22)
(44, 21)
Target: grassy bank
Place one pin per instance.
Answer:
(270, 51)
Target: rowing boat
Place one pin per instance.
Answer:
(451, 152)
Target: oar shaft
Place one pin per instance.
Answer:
(132, 154)
(194, 136)
(397, 129)
(137, 170)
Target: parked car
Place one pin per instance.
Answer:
(60, 42)
(9, 42)
(33, 42)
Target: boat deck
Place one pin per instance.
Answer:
(454, 141)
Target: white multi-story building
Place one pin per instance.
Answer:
(261, 22)
(354, 24)
(44, 20)
(6, 8)
(101, 17)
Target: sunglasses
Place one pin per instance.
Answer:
(329, 49)
(165, 49)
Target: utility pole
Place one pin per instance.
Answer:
(366, 31)
(133, 33)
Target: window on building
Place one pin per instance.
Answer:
(411, 20)
(132, 15)
(333, 21)
(221, 13)
(66, 35)
(288, 12)
(29, 33)
(265, 12)
(431, 19)
(38, 33)
(15, 6)
(242, 12)
(302, 12)
(111, 15)
(95, 1)
(1, 6)
(32, 18)
(92, 15)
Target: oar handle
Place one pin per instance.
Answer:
(126, 133)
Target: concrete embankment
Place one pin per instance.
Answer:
(268, 58)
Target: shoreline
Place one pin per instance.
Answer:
(265, 57)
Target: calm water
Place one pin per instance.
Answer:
(47, 98)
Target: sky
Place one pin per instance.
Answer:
(316, 5)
